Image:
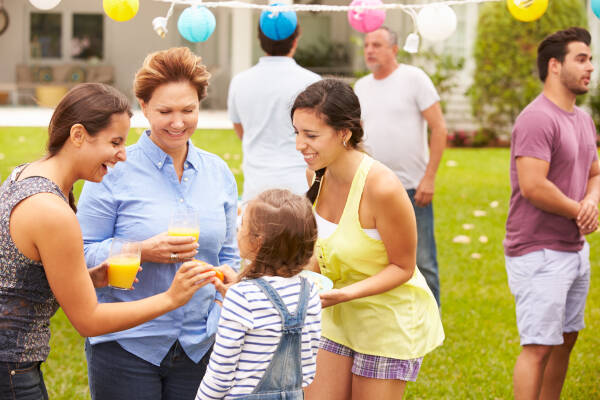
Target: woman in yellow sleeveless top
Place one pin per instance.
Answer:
(380, 318)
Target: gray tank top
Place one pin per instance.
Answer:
(26, 301)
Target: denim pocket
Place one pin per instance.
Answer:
(25, 381)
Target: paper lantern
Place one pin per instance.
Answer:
(196, 23)
(278, 25)
(121, 10)
(368, 19)
(436, 22)
(44, 4)
(527, 10)
(596, 7)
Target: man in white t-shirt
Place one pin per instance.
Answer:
(398, 102)
(259, 105)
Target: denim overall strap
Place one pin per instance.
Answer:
(283, 377)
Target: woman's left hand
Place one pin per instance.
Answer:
(99, 275)
(333, 297)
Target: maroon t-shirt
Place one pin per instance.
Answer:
(566, 140)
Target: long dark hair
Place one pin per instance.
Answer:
(89, 104)
(335, 102)
(284, 226)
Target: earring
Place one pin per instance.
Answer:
(346, 143)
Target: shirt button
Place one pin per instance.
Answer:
(159, 164)
(181, 200)
(185, 179)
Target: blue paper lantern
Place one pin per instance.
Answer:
(278, 25)
(596, 7)
(196, 23)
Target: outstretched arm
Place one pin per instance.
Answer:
(395, 221)
(52, 228)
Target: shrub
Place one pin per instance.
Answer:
(506, 78)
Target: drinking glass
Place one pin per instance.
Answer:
(124, 263)
(185, 222)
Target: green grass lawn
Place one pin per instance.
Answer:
(481, 344)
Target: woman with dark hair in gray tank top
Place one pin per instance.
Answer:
(42, 264)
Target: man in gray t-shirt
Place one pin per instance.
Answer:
(555, 179)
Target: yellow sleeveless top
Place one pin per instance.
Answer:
(402, 323)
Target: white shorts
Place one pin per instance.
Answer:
(550, 289)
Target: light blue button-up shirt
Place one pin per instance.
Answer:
(135, 201)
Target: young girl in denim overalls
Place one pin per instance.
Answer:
(270, 324)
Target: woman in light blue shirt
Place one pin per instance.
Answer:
(165, 358)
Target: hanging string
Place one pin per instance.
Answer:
(320, 7)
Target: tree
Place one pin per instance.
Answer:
(506, 77)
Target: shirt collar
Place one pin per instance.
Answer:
(278, 59)
(159, 157)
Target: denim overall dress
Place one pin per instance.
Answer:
(283, 378)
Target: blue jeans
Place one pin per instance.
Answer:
(22, 381)
(283, 377)
(116, 374)
(426, 249)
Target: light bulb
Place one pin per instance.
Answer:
(412, 43)
(159, 24)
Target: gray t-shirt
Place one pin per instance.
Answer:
(566, 140)
(395, 130)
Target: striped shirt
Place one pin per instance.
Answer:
(248, 334)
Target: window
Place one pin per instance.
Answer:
(45, 35)
(87, 39)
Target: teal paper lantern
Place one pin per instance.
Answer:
(196, 23)
(596, 8)
(277, 25)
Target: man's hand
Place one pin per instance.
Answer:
(587, 217)
(424, 193)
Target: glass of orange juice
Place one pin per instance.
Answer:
(185, 222)
(123, 263)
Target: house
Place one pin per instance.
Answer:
(46, 51)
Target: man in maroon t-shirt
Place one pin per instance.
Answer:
(555, 179)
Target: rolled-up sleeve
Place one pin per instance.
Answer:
(96, 212)
(229, 251)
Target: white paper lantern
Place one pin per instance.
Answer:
(44, 4)
(436, 22)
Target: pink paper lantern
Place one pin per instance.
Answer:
(366, 20)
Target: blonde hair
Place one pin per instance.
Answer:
(173, 65)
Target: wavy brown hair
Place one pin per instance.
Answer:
(89, 104)
(284, 227)
(177, 64)
(336, 103)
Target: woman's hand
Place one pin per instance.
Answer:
(162, 247)
(99, 275)
(190, 277)
(333, 297)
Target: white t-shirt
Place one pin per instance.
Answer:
(395, 130)
(260, 98)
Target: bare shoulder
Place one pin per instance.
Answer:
(46, 212)
(383, 186)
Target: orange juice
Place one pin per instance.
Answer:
(122, 271)
(185, 232)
